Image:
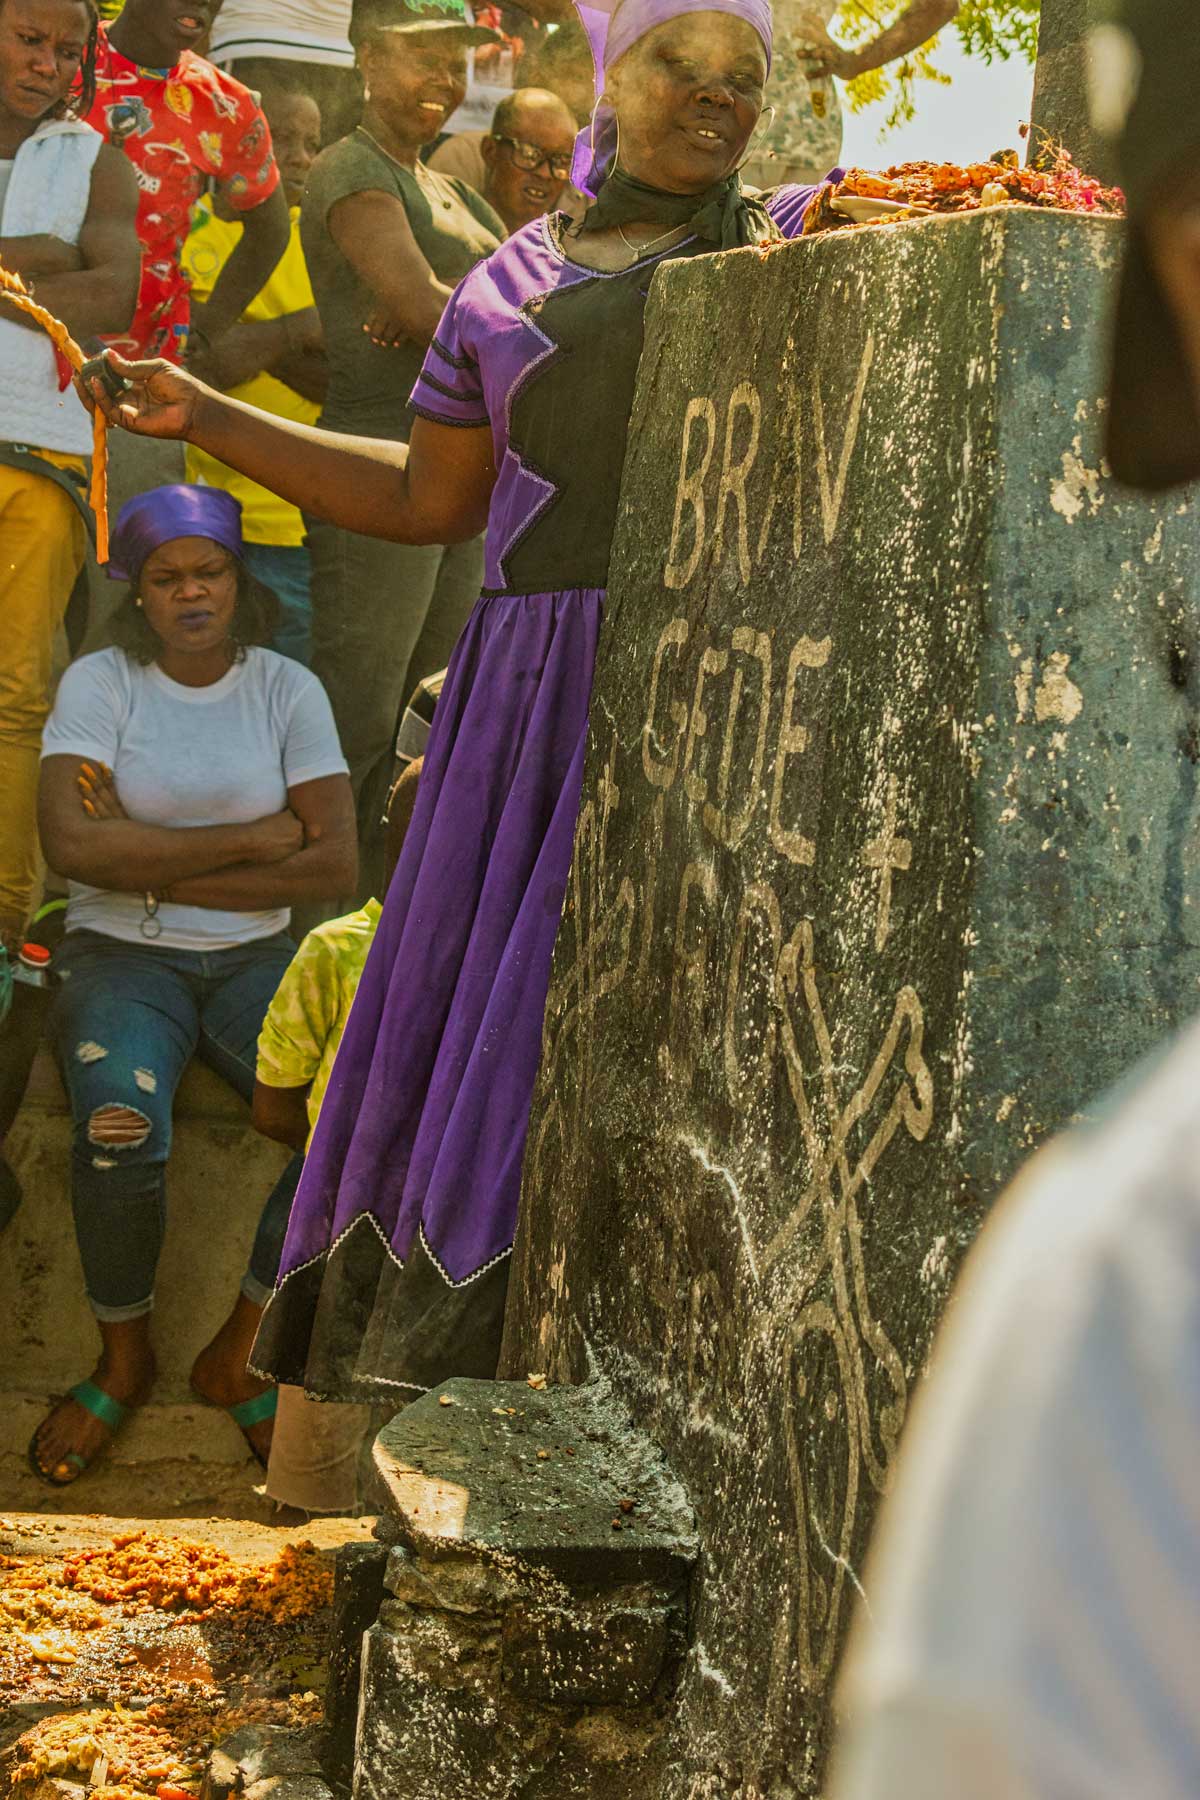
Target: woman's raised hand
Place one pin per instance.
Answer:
(159, 402)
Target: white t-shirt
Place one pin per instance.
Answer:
(1034, 1591)
(185, 756)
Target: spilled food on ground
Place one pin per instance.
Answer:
(127, 1655)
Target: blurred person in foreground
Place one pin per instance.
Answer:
(523, 164)
(309, 38)
(1033, 1630)
(273, 357)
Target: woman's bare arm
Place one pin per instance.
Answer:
(99, 294)
(128, 857)
(326, 866)
(281, 1113)
(435, 490)
(372, 231)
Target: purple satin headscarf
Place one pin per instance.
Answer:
(165, 513)
(612, 30)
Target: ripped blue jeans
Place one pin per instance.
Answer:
(126, 1020)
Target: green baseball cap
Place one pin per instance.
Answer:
(369, 18)
(1144, 67)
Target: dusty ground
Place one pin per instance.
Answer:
(194, 1643)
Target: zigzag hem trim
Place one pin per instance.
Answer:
(324, 1255)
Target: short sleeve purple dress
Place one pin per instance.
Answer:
(395, 1267)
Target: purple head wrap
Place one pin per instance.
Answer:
(613, 29)
(165, 513)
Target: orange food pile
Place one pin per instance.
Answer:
(140, 1573)
(955, 188)
(33, 1595)
(157, 1754)
(113, 1750)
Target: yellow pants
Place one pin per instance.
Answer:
(42, 543)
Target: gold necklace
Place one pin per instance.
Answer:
(639, 250)
(372, 139)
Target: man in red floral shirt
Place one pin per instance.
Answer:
(181, 121)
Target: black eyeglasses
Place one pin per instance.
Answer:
(530, 157)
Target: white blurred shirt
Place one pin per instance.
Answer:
(1035, 1585)
(294, 30)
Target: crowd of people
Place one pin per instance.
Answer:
(343, 473)
(201, 792)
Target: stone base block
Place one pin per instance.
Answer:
(536, 1594)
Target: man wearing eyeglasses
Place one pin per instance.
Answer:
(522, 165)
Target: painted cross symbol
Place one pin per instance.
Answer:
(887, 853)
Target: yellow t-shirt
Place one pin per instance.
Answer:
(305, 1021)
(266, 519)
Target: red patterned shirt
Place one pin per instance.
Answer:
(178, 127)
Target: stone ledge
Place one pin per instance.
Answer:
(556, 1477)
(534, 1621)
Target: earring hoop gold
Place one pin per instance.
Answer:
(756, 144)
(604, 99)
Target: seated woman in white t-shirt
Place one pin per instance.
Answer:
(192, 789)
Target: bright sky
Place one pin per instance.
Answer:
(978, 114)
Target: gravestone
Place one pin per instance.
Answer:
(883, 873)
(1061, 110)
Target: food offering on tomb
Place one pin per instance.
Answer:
(14, 291)
(918, 189)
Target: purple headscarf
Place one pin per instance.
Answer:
(613, 29)
(165, 513)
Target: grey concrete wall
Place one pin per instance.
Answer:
(884, 872)
(176, 1457)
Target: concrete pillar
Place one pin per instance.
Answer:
(886, 869)
(1060, 91)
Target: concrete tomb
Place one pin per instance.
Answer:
(884, 872)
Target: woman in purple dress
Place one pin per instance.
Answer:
(394, 1272)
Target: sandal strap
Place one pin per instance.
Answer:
(102, 1406)
(252, 1412)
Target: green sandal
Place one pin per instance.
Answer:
(252, 1412)
(102, 1406)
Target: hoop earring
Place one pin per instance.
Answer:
(603, 100)
(756, 144)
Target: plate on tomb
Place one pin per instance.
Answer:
(861, 210)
